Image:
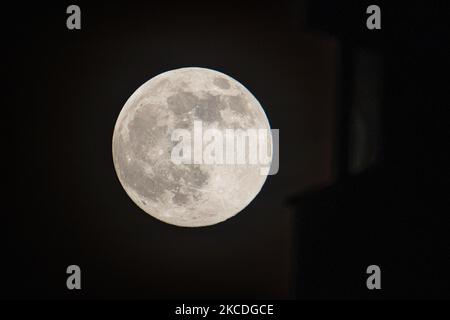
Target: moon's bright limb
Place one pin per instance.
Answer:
(190, 195)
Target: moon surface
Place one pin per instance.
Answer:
(189, 195)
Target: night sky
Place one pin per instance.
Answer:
(314, 227)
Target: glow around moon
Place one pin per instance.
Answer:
(186, 194)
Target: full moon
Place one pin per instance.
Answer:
(187, 194)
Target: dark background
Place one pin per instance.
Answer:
(364, 134)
